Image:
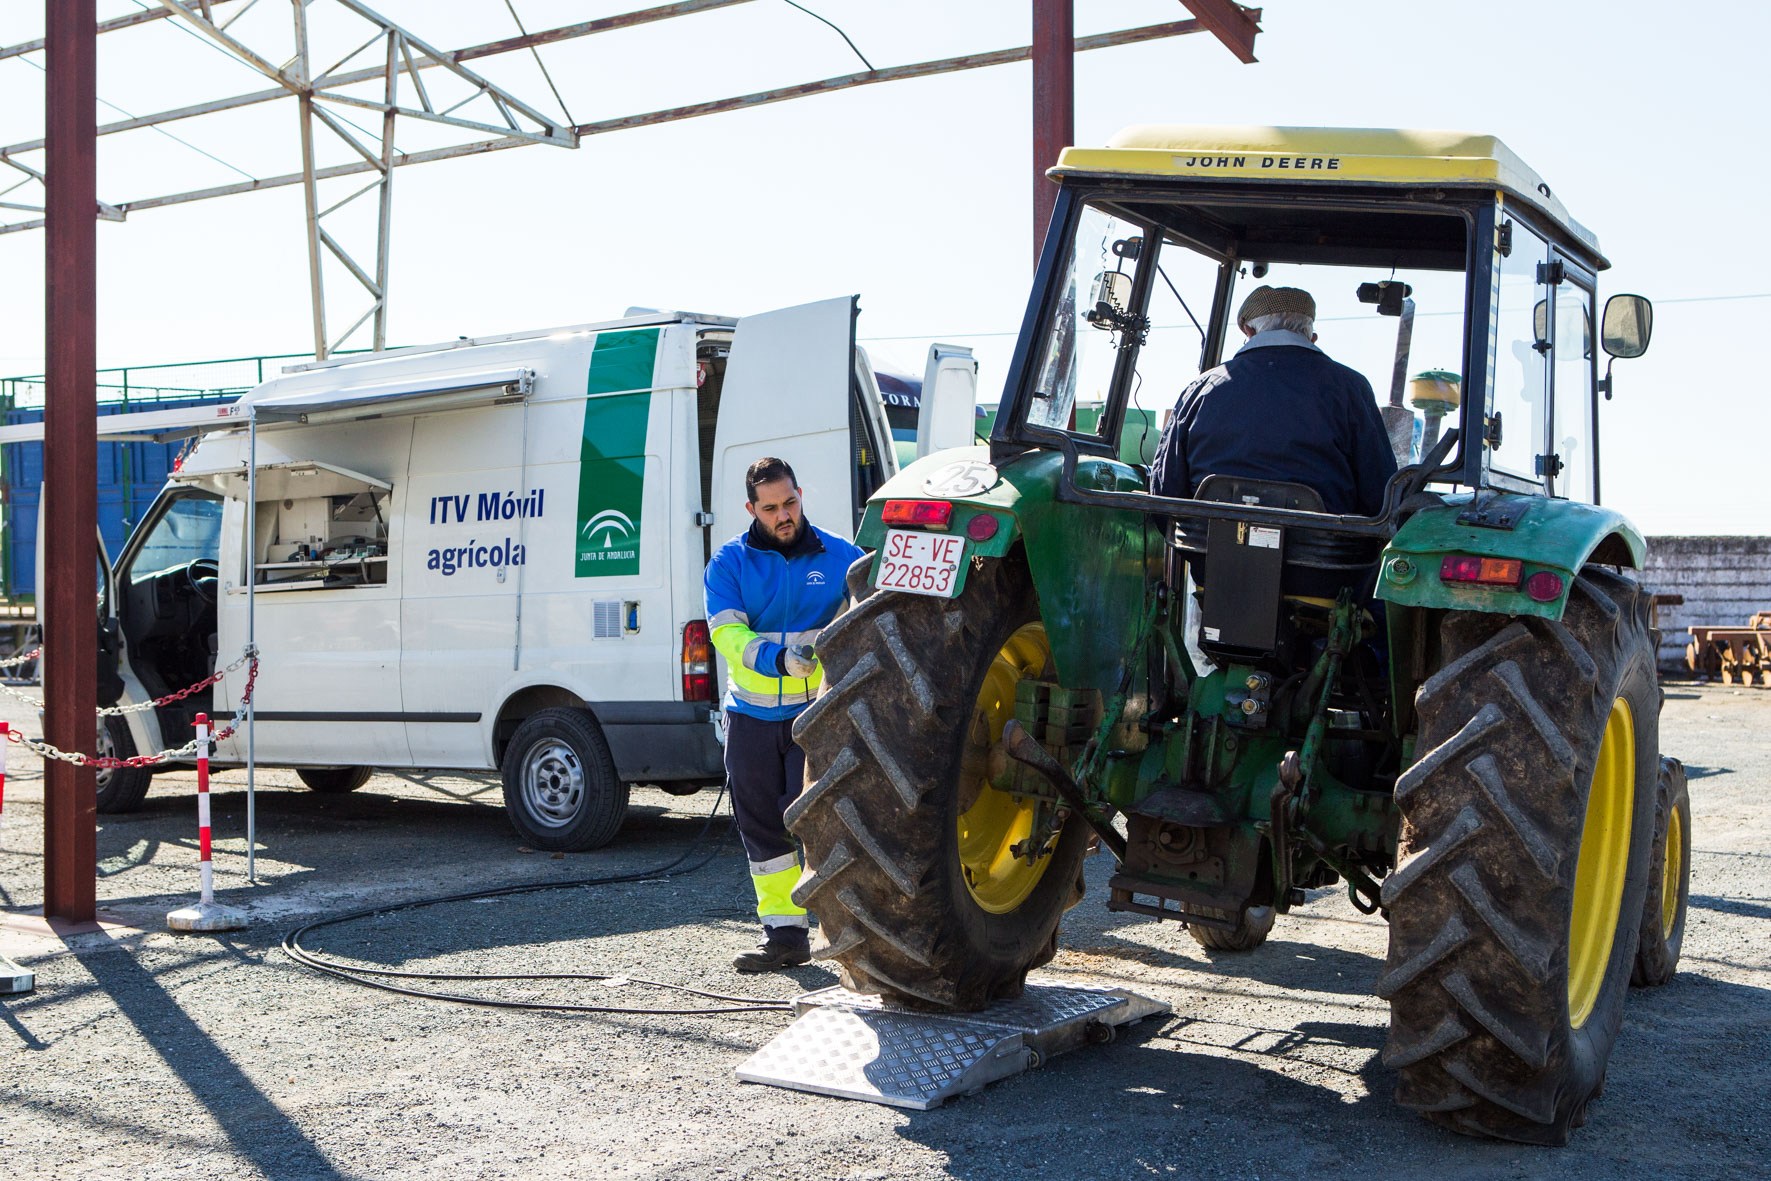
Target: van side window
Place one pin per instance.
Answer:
(188, 531)
(323, 542)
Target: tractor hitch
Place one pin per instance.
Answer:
(1021, 747)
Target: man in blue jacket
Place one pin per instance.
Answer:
(770, 591)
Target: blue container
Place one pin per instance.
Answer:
(130, 475)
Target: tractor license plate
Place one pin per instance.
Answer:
(921, 563)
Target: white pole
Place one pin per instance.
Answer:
(251, 638)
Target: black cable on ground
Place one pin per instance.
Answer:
(360, 975)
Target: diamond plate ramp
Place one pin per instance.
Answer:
(856, 1046)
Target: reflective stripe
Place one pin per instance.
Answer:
(781, 691)
(774, 897)
(750, 651)
(785, 920)
(725, 617)
(801, 637)
(773, 865)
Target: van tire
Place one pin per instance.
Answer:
(334, 780)
(120, 789)
(561, 791)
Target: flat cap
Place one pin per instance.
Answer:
(1266, 301)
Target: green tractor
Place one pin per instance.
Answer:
(1461, 729)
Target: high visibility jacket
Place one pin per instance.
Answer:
(761, 601)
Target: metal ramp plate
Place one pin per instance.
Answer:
(856, 1046)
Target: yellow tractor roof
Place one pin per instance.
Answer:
(1347, 155)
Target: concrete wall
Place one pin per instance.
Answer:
(1724, 581)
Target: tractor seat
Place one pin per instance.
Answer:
(1318, 562)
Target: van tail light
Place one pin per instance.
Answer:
(697, 662)
(934, 513)
(1482, 571)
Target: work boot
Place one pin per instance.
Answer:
(782, 947)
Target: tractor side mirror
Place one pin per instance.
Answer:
(1629, 322)
(1109, 299)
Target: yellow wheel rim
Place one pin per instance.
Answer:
(1604, 858)
(1674, 864)
(998, 880)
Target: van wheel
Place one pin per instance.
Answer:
(560, 787)
(120, 789)
(334, 780)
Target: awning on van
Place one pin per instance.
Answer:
(145, 426)
(412, 396)
(419, 395)
(290, 479)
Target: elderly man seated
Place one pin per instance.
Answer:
(1280, 409)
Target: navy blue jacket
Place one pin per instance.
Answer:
(1280, 409)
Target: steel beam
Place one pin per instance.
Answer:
(1054, 102)
(70, 460)
(1230, 23)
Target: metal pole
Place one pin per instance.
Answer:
(1054, 104)
(385, 214)
(70, 459)
(251, 640)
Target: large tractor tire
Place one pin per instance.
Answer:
(908, 849)
(1669, 880)
(1527, 824)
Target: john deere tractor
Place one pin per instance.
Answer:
(1447, 708)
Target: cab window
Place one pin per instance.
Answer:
(1518, 411)
(1572, 364)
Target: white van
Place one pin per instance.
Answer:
(488, 554)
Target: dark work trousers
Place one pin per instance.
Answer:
(764, 772)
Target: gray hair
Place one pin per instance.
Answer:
(1284, 321)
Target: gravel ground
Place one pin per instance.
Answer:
(144, 1054)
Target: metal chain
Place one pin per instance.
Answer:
(23, 658)
(180, 754)
(109, 711)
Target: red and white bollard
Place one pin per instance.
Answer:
(13, 978)
(208, 914)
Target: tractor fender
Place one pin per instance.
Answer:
(1559, 536)
(1089, 565)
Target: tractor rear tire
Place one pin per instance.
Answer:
(1253, 925)
(1517, 901)
(898, 736)
(1669, 880)
(120, 789)
(331, 781)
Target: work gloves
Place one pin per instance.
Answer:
(798, 661)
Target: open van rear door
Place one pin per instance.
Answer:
(948, 416)
(793, 390)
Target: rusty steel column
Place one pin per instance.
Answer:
(1054, 105)
(70, 458)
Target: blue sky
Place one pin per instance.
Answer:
(916, 194)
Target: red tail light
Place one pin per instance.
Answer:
(918, 512)
(1481, 571)
(697, 662)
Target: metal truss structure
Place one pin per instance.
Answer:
(392, 63)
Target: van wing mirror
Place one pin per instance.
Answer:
(1629, 322)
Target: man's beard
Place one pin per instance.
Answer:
(787, 532)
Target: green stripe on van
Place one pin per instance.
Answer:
(612, 455)
(623, 361)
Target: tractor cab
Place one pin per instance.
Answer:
(1418, 669)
